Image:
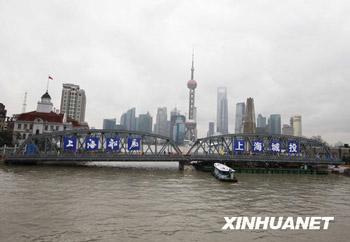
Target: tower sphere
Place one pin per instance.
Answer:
(192, 84)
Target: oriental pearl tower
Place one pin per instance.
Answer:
(191, 129)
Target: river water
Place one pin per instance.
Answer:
(156, 202)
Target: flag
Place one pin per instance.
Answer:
(50, 78)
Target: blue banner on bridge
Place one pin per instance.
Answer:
(258, 146)
(239, 145)
(70, 143)
(134, 143)
(113, 144)
(293, 147)
(91, 143)
(275, 146)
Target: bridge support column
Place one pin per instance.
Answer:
(181, 165)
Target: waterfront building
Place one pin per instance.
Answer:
(211, 129)
(109, 123)
(179, 129)
(295, 122)
(287, 129)
(274, 124)
(222, 111)
(73, 102)
(42, 120)
(128, 119)
(162, 125)
(240, 109)
(191, 124)
(249, 124)
(144, 123)
(3, 113)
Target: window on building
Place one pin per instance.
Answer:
(24, 136)
(51, 127)
(57, 127)
(19, 126)
(46, 127)
(25, 126)
(31, 126)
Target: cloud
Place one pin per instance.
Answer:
(291, 56)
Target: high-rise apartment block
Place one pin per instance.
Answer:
(295, 122)
(73, 102)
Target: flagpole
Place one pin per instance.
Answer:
(47, 84)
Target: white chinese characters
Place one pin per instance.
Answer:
(257, 146)
(276, 147)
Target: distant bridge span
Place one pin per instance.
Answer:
(120, 145)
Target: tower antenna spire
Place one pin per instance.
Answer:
(192, 68)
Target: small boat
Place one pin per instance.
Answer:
(224, 173)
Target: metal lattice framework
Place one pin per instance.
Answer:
(221, 148)
(50, 146)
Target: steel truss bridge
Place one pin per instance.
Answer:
(52, 148)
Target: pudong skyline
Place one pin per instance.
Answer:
(202, 131)
(111, 62)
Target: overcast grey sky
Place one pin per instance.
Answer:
(292, 57)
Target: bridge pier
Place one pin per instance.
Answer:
(181, 165)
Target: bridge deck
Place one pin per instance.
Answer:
(158, 158)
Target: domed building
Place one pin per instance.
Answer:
(43, 120)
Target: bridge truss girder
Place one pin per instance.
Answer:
(52, 143)
(221, 147)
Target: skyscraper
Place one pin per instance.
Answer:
(287, 129)
(128, 119)
(162, 124)
(73, 102)
(274, 124)
(261, 125)
(179, 129)
(261, 121)
(144, 123)
(110, 123)
(249, 124)
(211, 129)
(240, 109)
(191, 125)
(173, 115)
(222, 111)
(295, 122)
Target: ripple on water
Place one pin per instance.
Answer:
(157, 203)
